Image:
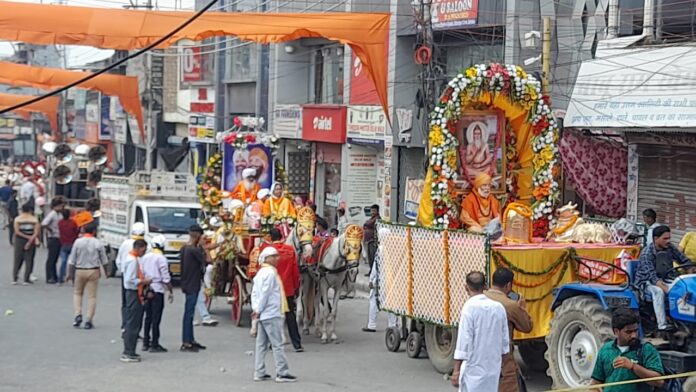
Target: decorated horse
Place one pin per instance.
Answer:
(300, 238)
(335, 258)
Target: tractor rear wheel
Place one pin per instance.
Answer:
(690, 384)
(579, 328)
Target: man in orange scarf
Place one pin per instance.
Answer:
(479, 207)
(246, 189)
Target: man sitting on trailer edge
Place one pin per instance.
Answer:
(627, 358)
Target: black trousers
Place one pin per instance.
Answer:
(123, 306)
(371, 253)
(291, 322)
(10, 229)
(153, 317)
(52, 259)
(134, 321)
(23, 256)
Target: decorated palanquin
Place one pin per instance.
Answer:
(423, 267)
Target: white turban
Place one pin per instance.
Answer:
(266, 253)
(248, 172)
(262, 193)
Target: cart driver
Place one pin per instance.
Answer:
(479, 207)
(655, 261)
(247, 189)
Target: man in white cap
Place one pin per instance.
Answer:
(137, 233)
(247, 189)
(268, 305)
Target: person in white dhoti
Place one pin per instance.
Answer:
(482, 340)
(374, 283)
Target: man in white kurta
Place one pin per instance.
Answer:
(482, 340)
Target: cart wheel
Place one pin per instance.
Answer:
(392, 339)
(237, 301)
(414, 344)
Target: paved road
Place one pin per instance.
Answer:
(43, 352)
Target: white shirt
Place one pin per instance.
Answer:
(130, 272)
(482, 340)
(649, 239)
(123, 252)
(156, 268)
(265, 294)
(27, 190)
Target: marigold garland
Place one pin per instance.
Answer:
(568, 256)
(461, 93)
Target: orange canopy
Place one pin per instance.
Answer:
(124, 87)
(48, 106)
(46, 24)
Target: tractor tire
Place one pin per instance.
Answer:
(532, 353)
(579, 328)
(689, 384)
(440, 343)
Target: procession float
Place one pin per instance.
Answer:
(232, 193)
(490, 199)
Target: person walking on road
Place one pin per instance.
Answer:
(50, 226)
(68, 235)
(137, 233)
(268, 305)
(12, 213)
(626, 357)
(369, 237)
(518, 319)
(373, 309)
(289, 273)
(87, 262)
(156, 268)
(5, 193)
(193, 261)
(482, 340)
(27, 230)
(135, 283)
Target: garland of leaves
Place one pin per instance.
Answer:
(462, 92)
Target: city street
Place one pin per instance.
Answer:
(43, 352)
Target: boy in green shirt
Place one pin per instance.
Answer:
(626, 358)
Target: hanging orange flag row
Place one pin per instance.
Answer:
(365, 33)
(48, 106)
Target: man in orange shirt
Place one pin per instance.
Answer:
(479, 207)
(247, 189)
(289, 273)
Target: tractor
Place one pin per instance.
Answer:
(582, 322)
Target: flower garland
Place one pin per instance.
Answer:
(512, 161)
(209, 193)
(242, 140)
(462, 92)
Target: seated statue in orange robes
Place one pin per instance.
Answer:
(479, 207)
(247, 189)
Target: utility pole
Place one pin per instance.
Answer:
(546, 55)
(148, 127)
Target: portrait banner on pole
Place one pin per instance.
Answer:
(256, 156)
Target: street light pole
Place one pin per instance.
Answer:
(546, 55)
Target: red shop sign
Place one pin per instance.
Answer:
(324, 123)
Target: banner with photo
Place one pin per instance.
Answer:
(256, 156)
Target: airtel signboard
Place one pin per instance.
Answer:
(324, 123)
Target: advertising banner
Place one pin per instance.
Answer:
(366, 125)
(324, 123)
(361, 181)
(452, 14)
(255, 156)
(412, 196)
(287, 121)
(106, 128)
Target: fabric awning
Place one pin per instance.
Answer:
(365, 33)
(124, 87)
(638, 87)
(48, 106)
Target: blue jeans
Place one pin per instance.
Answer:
(64, 254)
(189, 309)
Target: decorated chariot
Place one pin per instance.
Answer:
(492, 144)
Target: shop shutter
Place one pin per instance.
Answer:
(298, 172)
(411, 165)
(667, 184)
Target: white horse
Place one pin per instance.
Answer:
(333, 266)
(308, 287)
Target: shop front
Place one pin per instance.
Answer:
(325, 126)
(647, 95)
(286, 124)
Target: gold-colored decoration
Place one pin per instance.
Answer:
(517, 224)
(353, 242)
(594, 233)
(305, 225)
